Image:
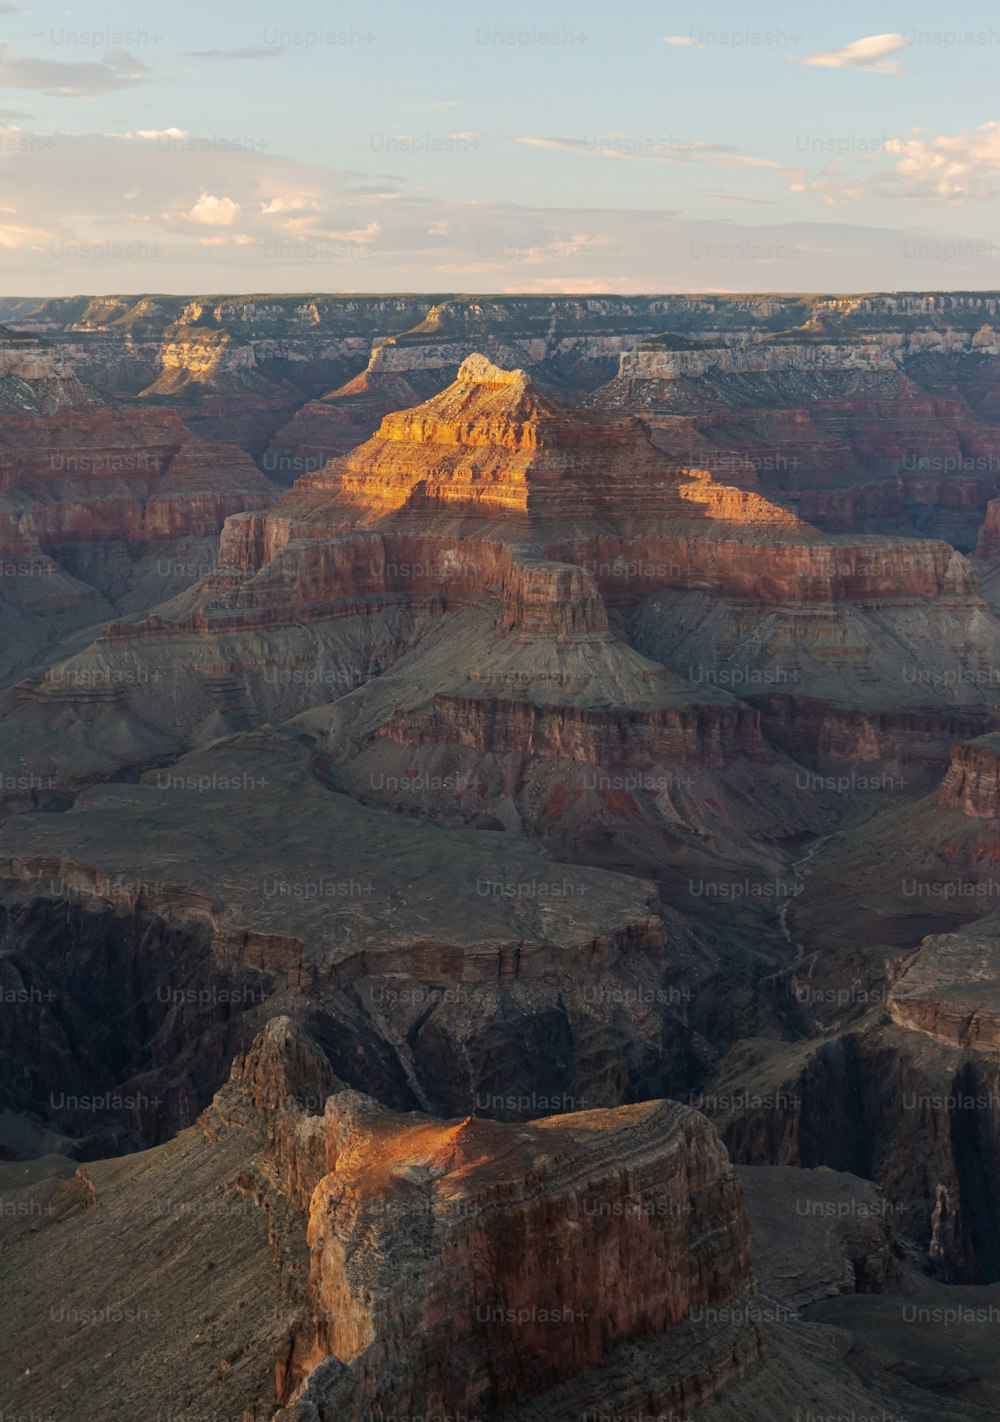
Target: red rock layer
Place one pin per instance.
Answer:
(795, 568)
(324, 578)
(687, 735)
(821, 412)
(988, 542)
(136, 475)
(528, 1281)
(972, 783)
(834, 737)
(465, 1267)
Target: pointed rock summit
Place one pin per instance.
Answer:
(492, 445)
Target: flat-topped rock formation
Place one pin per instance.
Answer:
(294, 911)
(510, 1258)
(951, 989)
(227, 1304)
(515, 1257)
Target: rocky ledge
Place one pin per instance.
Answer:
(951, 989)
(972, 783)
(466, 1267)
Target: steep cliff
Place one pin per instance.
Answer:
(469, 1266)
(863, 390)
(972, 783)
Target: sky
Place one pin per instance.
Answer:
(452, 147)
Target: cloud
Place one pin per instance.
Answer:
(357, 234)
(737, 197)
(12, 115)
(16, 235)
(683, 41)
(151, 135)
(119, 70)
(247, 52)
(650, 150)
(869, 53)
(214, 211)
(947, 168)
(93, 213)
(6, 9)
(953, 169)
(290, 202)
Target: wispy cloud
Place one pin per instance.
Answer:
(870, 53)
(650, 150)
(248, 52)
(92, 212)
(117, 70)
(683, 41)
(737, 197)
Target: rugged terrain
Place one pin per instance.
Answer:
(523, 895)
(103, 507)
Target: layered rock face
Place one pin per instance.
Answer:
(244, 366)
(124, 344)
(468, 1267)
(569, 346)
(536, 772)
(516, 1257)
(685, 735)
(139, 477)
(364, 556)
(490, 500)
(74, 469)
(223, 1211)
(99, 507)
(239, 367)
(36, 380)
(972, 783)
(863, 390)
(492, 445)
(950, 990)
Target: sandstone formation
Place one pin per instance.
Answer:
(950, 989)
(528, 794)
(402, 1214)
(99, 506)
(973, 780)
(873, 413)
(513, 1258)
